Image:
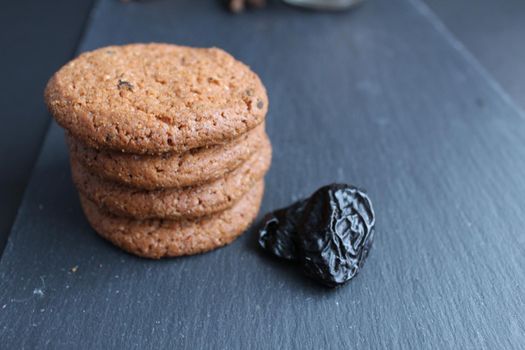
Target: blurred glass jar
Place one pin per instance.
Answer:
(324, 4)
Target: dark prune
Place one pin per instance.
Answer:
(328, 234)
(279, 230)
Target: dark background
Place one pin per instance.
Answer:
(37, 37)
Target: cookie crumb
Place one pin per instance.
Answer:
(38, 292)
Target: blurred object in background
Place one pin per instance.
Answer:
(237, 6)
(324, 4)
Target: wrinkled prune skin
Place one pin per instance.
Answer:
(335, 233)
(329, 234)
(279, 229)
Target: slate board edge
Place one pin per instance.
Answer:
(16, 221)
(441, 28)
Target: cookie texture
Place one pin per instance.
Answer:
(156, 98)
(166, 238)
(185, 202)
(170, 170)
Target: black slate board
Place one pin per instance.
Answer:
(381, 97)
(493, 31)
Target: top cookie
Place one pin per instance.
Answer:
(155, 98)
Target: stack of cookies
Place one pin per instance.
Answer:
(167, 145)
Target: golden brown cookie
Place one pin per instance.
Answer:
(186, 202)
(165, 238)
(170, 170)
(156, 98)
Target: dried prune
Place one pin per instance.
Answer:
(328, 234)
(279, 230)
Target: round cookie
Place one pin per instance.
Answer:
(186, 202)
(170, 170)
(165, 238)
(156, 98)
